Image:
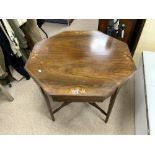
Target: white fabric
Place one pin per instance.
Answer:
(14, 46)
(21, 21)
(11, 37)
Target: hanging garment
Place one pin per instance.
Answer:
(18, 33)
(3, 73)
(20, 22)
(11, 54)
(2, 61)
(32, 32)
(14, 44)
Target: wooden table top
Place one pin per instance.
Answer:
(80, 63)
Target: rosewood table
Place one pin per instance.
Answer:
(80, 66)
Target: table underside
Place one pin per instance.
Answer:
(91, 101)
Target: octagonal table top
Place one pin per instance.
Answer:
(80, 63)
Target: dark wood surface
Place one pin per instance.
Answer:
(80, 63)
(58, 21)
(130, 25)
(132, 32)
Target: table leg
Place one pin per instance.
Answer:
(48, 104)
(62, 105)
(96, 106)
(111, 104)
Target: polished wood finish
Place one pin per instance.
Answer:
(79, 63)
(83, 66)
(132, 33)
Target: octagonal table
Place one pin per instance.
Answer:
(80, 66)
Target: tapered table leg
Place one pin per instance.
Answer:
(111, 104)
(96, 106)
(48, 105)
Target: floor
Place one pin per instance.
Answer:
(28, 113)
(78, 24)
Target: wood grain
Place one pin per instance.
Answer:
(80, 63)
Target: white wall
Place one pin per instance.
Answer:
(147, 39)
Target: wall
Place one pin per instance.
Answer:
(147, 39)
